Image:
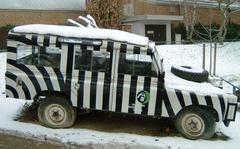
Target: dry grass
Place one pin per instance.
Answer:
(28, 113)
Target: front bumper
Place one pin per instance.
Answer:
(231, 111)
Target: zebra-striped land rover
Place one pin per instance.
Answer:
(64, 67)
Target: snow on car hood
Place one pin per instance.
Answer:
(174, 82)
(78, 32)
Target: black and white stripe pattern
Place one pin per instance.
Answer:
(108, 91)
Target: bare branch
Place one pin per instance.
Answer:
(201, 37)
(232, 12)
(202, 34)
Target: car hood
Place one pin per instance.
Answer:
(205, 88)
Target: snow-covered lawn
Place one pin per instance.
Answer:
(228, 59)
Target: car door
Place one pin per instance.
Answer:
(136, 83)
(91, 77)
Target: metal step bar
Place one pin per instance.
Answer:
(235, 89)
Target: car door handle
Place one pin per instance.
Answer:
(77, 86)
(19, 81)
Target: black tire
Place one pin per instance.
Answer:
(186, 73)
(56, 112)
(195, 123)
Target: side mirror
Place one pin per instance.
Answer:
(237, 93)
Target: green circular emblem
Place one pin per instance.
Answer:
(143, 97)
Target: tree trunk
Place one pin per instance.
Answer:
(107, 13)
(189, 11)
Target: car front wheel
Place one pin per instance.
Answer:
(195, 123)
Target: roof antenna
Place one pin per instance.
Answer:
(88, 21)
(85, 22)
(92, 20)
(74, 23)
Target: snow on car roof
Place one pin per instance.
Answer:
(78, 32)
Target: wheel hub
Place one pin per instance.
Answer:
(55, 114)
(193, 125)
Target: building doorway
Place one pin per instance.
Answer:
(156, 33)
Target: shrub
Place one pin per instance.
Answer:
(233, 31)
(8, 26)
(232, 34)
(180, 29)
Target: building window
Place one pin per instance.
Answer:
(136, 65)
(39, 56)
(95, 61)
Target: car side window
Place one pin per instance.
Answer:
(39, 56)
(96, 61)
(83, 60)
(136, 64)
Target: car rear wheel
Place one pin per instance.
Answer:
(56, 112)
(195, 123)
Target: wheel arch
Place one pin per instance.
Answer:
(207, 108)
(43, 94)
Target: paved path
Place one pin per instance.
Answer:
(13, 142)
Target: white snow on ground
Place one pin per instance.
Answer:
(9, 108)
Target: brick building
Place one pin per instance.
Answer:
(18, 12)
(150, 19)
(157, 18)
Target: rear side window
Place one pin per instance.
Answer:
(136, 64)
(39, 56)
(95, 61)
